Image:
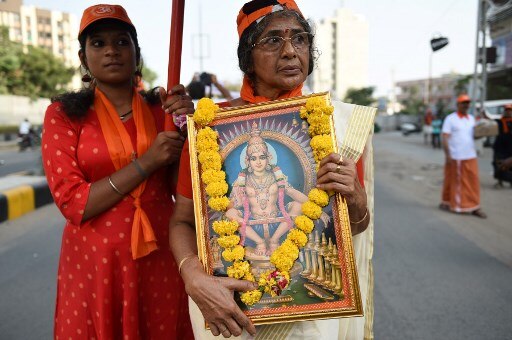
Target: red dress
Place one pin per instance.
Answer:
(102, 293)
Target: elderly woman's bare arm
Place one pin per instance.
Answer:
(213, 295)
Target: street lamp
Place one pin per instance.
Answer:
(436, 43)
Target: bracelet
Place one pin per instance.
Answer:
(183, 260)
(114, 186)
(361, 220)
(141, 171)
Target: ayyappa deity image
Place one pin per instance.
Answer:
(258, 199)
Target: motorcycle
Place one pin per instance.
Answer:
(28, 140)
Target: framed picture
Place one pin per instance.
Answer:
(258, 143)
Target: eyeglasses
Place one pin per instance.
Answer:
(300, 41)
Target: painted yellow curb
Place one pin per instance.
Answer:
(20, 201)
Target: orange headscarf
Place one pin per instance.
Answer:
(257, 9)
(121, 150)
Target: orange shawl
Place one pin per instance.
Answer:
(247, 93)
(121, 150)
(504, 121)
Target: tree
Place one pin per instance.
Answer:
(362, 96)
(149, 76)
(30, 71)
(413, 105)
(461, 85)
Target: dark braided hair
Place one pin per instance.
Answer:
(255, 30)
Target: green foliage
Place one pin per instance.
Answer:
(30, 71)
(362, 96)
(149, 76)
(461, 86)
(413, 105)
(8, 129)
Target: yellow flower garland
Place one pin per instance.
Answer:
(317, 113)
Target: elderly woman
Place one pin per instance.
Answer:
(276, 55)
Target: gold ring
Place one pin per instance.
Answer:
(338, 169)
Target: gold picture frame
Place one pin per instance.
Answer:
(324, 282)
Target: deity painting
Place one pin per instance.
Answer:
(270, 169)
(258, 199)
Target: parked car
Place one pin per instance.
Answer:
(408, 128)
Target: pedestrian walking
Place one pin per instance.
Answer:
(502, 158)
(461, 187)
(108, 163)
(437, 124)
(427, 126)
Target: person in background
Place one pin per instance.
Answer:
(276, 54)
(25, 133)
(197, 87)
(461, 186)
(427, 126)
(108, 163)
(437, 123)
(502, 158)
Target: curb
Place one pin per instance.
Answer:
(22, 199)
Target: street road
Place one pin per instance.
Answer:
(437, 275)
(13, 161)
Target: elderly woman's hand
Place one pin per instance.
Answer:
(340, 176)
(176, 102)
(214, 297)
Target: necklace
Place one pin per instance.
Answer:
(262, 188)
(123, 116)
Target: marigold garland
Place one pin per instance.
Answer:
(317, 113)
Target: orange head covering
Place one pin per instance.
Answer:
(100, 12)
(257, 9)
(463, 98)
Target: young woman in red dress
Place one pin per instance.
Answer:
(108, 163)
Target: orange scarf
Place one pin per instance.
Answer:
(120, 148)
(247, 93)
(504, 121)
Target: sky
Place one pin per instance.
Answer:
(399, 35)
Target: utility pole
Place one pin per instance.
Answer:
(479, 89)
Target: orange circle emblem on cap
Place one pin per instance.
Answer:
(103, 11)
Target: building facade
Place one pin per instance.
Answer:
(52, 30)
(342, 42)
(444, 91)
(499, 77)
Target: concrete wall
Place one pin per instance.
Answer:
(13, 109)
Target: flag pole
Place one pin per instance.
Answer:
(175, 44)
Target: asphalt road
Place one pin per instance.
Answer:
(13, 161)
(437, 275)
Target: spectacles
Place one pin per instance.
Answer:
(300, 41)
